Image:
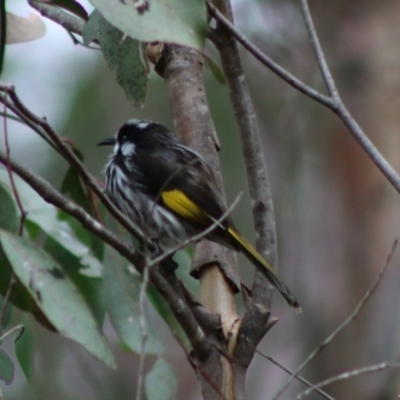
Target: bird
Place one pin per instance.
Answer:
(171, 193)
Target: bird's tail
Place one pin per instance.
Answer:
(258, 261)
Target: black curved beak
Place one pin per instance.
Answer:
(107, 142)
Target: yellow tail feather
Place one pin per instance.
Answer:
(252, 254)
(177, 201)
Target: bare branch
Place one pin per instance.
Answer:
(19, 328)
(267, 61)
(298, 377)
(348, 375)
(319, 54)
(344, 324)
(143, 331)
(10, 175)
(253, 156)
(23, 213)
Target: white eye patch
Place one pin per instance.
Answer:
(127, 149)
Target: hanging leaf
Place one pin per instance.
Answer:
(121, 293)
(51, 221)
(55, 294)
(175, 21)
(160, 382)
(122, 54)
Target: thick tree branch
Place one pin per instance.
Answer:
(253, 156)
(214, 264)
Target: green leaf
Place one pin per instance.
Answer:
(25, 348)
(55, 294)
(90, 286)
(20, 296)
(160, 382)
(6, 367)
(50, 220)
(123, 56)
(8, 211)
(175, 21)
(121, 293)
(162, 308)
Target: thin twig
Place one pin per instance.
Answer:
(344, 324)
(21, 328)
(267, 61)
(22, 118)
(23, 213)
(12, 117)
(319, 54)
(348, 375)
(143, 331)
(298, 377)
(10, 176)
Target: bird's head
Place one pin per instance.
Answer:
(138, 134)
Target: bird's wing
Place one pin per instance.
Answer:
(183, 182)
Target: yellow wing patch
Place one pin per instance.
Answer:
(178, 202)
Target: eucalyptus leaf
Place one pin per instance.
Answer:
(175, 21)
(50, 220)
(55, 294)
(122, 54)
(121, 293)
(161, 382)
